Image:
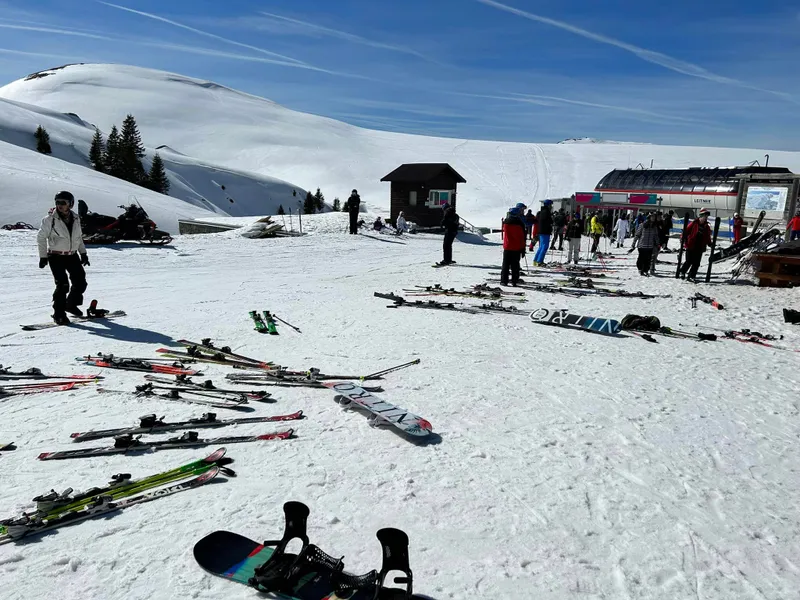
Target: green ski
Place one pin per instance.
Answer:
(272, 327)
(260, 326)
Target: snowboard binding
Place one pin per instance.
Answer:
(284, 571)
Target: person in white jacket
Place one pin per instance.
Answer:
(401, 225)
(622, 228)
(61, 246)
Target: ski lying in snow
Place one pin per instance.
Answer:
(407, 422)
(311, 574)
(126, 444)
(181, 382)
(53, 504)
(35, 373)
(708, 300)
(269, 382)
(480, 295)
(258, 322)
(7, 446)
(6, 392)
(136, 365)
(147, 391)
(100, 506)
(218, 359)
(112, 315)
(228, 395)
(272, 327)
(491, 307)
(152, 424)
(563, 318)
(206, 346)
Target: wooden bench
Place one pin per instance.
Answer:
(778, 270)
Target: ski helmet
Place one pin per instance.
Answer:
(547, 203)
(64, 195)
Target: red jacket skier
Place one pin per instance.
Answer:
(738, 221)
(513, 244)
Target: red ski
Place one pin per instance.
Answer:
(137, 365)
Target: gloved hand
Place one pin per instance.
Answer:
(42, 263)
(85, 260)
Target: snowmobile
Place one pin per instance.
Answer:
(132, 225)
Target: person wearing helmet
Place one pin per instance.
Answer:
(513, 245)
(450, 225)
(61, 246)
(545, 223)
(737, 228)
(698, 238)
(353, 206)
(794, 226)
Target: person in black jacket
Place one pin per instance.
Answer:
(450, 224)
(667, 230)
(559, 221)
(545, 219)
(353, 206)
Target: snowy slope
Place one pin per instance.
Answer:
(197, 181)
(30, 181)
(570, 465)
(214, 123)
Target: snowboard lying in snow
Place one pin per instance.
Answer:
(112, 315)
(382, 412)
(309, 575)
(563, 318)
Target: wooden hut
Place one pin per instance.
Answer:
(420, 189)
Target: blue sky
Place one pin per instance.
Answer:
(716, 73)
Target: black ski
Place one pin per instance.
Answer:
(152, 424)
(683, 242)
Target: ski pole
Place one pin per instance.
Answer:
(391, 369)
(527, 266)
(277, 318)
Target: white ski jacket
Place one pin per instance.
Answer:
(622, 229)
(54, 236)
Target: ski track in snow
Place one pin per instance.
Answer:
(570, 465)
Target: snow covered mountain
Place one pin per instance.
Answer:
(244, 134)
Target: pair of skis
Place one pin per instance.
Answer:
(19, 389)
(135, 364)
(265, 324)
(152, 424)
(311, 574)
(91, 315)
(129, 444)
(56, 509)
(226, 401)
(7, 374)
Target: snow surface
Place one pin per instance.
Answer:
(226, 127)
(570, 465)
(198, 182)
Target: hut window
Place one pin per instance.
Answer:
(412, 198)
(439, 197)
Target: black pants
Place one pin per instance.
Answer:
(447, 246)
(692, 263)
(595, 241)
(353, 222)
(62, 265)
(511, 260)
(559, 236)
(645, 256)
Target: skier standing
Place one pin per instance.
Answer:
(667, 230)
(513, 245)
(662, 237)
(698, 238)
(61, 246)
(794, 226)
(596, 232)
(737, 227)
(353, 206)
(647, 234)
(621, 229)
(450, 224)
(559, 221)
(574, 232)
(530, 221)
(545, 220)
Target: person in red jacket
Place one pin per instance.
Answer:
(698, 238)
(794, 226)
(513, 245)
(738, 221)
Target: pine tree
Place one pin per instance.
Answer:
(337, 205)
(157, 179)
(111, 158)
(319, 200)
(132, 152)
(280, 210)
(310, 204)
(96, 151)
(346, 206)
(42, 140)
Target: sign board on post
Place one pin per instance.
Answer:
(587, 197)
(643, 199)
